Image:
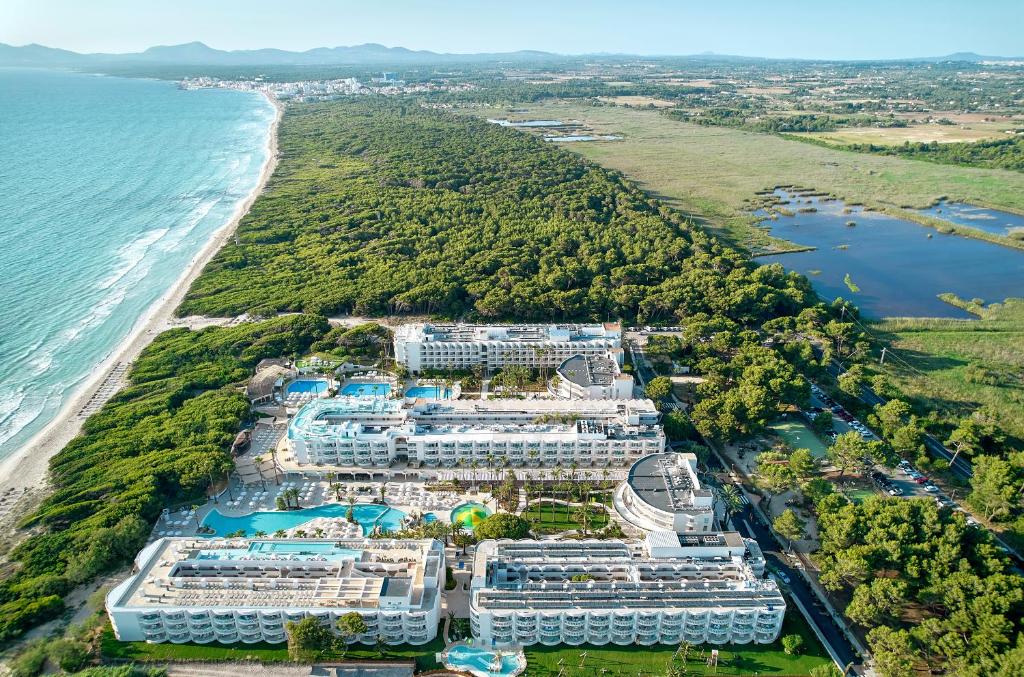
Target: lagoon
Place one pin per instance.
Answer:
(899, 267)
(989, 220)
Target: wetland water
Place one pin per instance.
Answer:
(898, 268)
(988, 220)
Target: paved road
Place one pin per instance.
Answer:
(748, 524)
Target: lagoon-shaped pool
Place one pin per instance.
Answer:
(367, 515)
(484, 663)
(898, 268)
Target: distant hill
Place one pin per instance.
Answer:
(197, 53)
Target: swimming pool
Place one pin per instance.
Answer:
(481, 662)
(367, 515)
(429, 392)
(307, 386)
(367, 389)
(298, 551)
(469, 514)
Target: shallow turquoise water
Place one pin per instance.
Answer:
(110, 187)
(366, 389)
(480, 660)
(270, 521)
(429, 392)
(308, 385)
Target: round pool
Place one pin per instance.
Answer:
(469, 515)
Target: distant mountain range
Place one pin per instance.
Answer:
(199, 54)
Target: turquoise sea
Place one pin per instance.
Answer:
(108, 188)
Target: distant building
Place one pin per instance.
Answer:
(463, 346)
(362, 432)
(237, 590)
(666, 590)
(662, 491)
(584, 377)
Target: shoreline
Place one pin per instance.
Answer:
(26, 469)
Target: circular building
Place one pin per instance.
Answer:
(662, 492)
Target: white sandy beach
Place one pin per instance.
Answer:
(26, 469)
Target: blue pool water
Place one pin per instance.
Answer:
(308, 385)
(430, 517)
(429, 392)
(366, 390)
(268, 522)
(477, 660)
(300, 551)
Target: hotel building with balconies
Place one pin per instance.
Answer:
(464, 346)
(669, 589)
(238, 590)
(353, 432)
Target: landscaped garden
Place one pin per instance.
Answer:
(645, 661)
(141, 652)
(551, 517)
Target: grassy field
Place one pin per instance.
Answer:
(553, 518)
(955, 366)
(646, 661)
(971, 130)
(798, 436)
(712, 172)
(141, 652)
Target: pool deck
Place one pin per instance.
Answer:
(408, 497)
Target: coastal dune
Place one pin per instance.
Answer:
(26, 470)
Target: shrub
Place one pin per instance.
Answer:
(502, 525)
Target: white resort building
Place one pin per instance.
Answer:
(238, 590)
(347, 432)
(584, 377)
(463, 346)
(667, 590)
(662, 491)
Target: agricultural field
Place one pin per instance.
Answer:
(955, 128)
(712, 173)
(957, 366)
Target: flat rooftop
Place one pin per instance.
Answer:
(283, 573)
(588, 371)
(662, 482)
(538, 575)
(530, 333)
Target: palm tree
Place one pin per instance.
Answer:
(350, 513)
(583, 517)
(732, 499)
(258, 462)
(457, 531)
(273, 458)
(195, 514)
(318, 532)
(604, 476)
(280, 533)
(473, 466)
(300, 533)
(260, 534)
(382, 491)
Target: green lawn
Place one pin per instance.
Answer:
(142, 652)
(548, 517)
(652, 660)
(797, 435)
(957, 366)
(712, 172)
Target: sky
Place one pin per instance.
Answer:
(836, 29)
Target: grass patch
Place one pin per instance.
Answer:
(633, 660)
(141, 652)
(797, 435)
(961, 365)
(548, 517)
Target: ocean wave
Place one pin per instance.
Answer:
(130, 255)
(17, 414)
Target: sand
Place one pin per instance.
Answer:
(26, 469)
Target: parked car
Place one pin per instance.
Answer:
(921, 479)
(931, 488)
